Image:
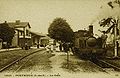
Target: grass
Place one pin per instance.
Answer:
(8, 57)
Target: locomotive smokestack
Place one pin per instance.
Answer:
(91, 30)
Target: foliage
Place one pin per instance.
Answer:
(60, 30)
(111, 21)
(6, 33)
(105, 22)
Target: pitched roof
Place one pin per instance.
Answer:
(18, 25)
(37, 33)
(46, 37)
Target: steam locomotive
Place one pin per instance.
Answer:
(88, 46)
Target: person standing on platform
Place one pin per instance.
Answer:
(104, 38)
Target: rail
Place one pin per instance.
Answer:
(10, 64)
(103, 64)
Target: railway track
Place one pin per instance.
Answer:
(22, 65)
(19, 59)
(105, 65)
(26, 61)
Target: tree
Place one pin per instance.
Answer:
(112, 22)
(60, 30)
(112, 19)
(6, 33)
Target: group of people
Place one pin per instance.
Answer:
(58, 47)
(50, 48)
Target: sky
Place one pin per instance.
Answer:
(40, 13)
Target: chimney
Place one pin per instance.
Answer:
(17, 22)
(91, 29)
(5, 21)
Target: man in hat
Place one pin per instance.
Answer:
(104, 38)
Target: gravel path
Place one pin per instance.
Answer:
(77, 68)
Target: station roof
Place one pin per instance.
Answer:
(37, 34)
(20, 25)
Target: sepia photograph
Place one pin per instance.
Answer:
(59, 38)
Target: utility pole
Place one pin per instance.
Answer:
(115, 42)
(68, 56)
(115, 37)
(68, 59)
(24, 37)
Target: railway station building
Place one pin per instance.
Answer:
(24, 34)
(21, 31)
(36, 38)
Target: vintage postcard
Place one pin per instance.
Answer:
(59, 38)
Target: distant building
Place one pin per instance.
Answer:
(40, 39)
(45, 41)
(35, 37)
